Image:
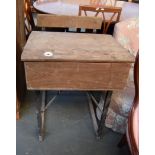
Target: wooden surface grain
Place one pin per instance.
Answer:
(46, 20)
(81, 47)
(76, 75)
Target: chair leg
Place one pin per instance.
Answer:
(123, 141)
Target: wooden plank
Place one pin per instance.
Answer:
(20, 29)
(20, 42)
(74, 47)
(46, 20)
(75, 75)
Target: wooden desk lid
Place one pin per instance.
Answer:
(81, 47)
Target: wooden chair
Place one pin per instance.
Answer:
(131, 135)
(110, 15)
(28, 19)
(60, 21)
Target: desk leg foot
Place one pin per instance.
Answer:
(41, 118)
(104, 114)
(40, 138)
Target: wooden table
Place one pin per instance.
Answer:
(75, 61)
(71, 7)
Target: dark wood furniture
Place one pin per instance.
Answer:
(20, 42)
(132, 140)
(28, 18)
(31, 5)
(17, 107)
(135, 1)
(132, 133)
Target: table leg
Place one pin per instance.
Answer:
(104, 114)
(102, 105)
(93, 116)
(41, 117)
(41, 113)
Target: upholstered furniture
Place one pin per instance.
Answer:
(132, 131)
(127, 34)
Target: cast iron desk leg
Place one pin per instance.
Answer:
(41, 117)
(105, 101)
(41, 114)
(101, 124)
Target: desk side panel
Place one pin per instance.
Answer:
(75, 75)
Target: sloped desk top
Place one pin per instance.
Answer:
(74, 47)
(75, 61)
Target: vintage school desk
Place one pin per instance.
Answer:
(75, 61)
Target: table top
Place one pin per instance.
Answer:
(71, 7)
(81, 47)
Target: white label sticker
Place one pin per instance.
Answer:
(48, 54)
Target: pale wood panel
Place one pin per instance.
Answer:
(46, 20)
(74, 47)
(76, 76)
(119, 74)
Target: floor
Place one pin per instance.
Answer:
(69, 129)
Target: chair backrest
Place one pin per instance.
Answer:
(28, 18)
(61, 21)
(109, 14)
